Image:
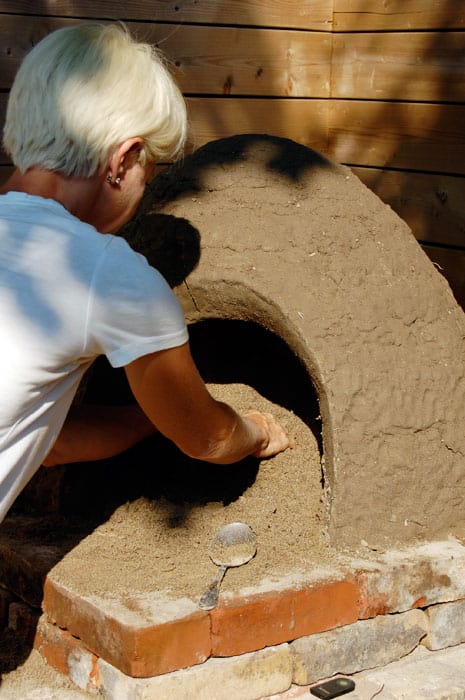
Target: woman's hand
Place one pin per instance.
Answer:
(275, 437)
(169, 389)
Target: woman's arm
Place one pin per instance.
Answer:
(171, 392)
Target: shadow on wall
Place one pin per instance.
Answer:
(171, 244)
(290, 159)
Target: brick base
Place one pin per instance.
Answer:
(362, 615)
(346, 638)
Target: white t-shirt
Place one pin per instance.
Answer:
(67, 294)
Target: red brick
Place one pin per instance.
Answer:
(371, 601)
(240, 626)
(61, 651)
(126, 636)
(420, 602)
(415, 577)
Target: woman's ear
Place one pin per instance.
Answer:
(121, 158)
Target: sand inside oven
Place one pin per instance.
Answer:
(156, 545)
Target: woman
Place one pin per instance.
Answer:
(89, 114)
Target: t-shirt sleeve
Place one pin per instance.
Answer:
(132, 310)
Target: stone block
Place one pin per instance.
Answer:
(447, 625)
(245, 677)
(422, 675)
(365, 644)
(413, 577)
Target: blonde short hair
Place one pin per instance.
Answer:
(85, 89)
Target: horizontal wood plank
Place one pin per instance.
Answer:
(299, 14)
(304, 121)
(17, 37)
(238, 61)
(432, 205)
(383, 15)
(423, 66)
(219, 60)
(415, 136)
(209, 60)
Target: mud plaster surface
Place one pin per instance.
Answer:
(150, 545)
(299, 244)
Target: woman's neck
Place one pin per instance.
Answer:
(77, 195)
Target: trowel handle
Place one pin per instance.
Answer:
(209, 599)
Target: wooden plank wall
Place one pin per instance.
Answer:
(376, 84)
(398, 114)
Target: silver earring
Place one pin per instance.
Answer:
(110, 179)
